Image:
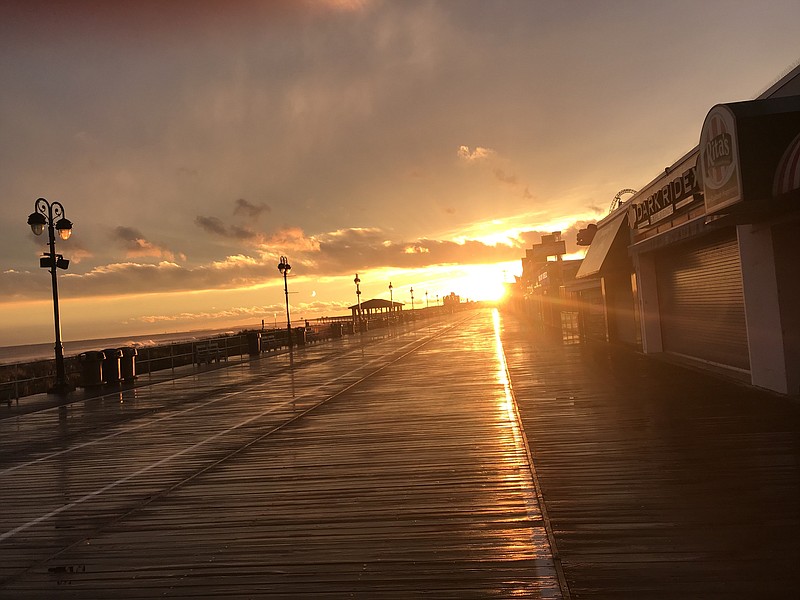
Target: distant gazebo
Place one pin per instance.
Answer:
(376, 307)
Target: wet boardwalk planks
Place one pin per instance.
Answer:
(410, 480)
(660, 482)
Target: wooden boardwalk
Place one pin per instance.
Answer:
(660, 482)
(392, 468)
(396, 465)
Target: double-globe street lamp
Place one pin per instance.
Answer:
(391, 302)
(358, 300)
(284, 267)
(51, 216)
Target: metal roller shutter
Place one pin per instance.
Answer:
(701, 301)
(593, 315)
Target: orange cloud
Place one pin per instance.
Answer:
(136, 246)
(478, 154)
(291, 239)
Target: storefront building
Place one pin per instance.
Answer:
(609, 310)
(540, 293)
(714, 243)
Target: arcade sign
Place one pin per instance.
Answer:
(548, 247)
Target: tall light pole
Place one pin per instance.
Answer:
(284, 267)
(426, 298)
(391, 302)
(358, 299)
(412, 302)
(51, 215)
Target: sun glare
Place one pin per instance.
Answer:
(477, 282)
(478, 285)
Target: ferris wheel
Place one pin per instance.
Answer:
(617, 201)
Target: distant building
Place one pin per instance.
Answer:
(540, 292)
(451, 301)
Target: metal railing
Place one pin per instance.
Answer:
(24, 379)
(35, 377)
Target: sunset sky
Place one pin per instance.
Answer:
(426, 143)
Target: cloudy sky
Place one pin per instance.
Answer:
(427, 143)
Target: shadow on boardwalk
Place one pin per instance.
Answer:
(660, 481)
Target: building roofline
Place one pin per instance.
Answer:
(794, 72)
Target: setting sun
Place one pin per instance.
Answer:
(483, 282)
(470, 282)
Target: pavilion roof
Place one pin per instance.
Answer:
(376, 303)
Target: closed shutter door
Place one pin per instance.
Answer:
(702, 302)
(593, 314)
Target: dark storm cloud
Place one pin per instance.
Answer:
(253, 211)
(242, 208)
(212, 225)
(241, 233)
(215, 226)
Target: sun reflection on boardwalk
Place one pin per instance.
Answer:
(521, 476)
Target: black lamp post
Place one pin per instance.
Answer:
(284, 267)
(426, 298)
(391, 302)
(412, 302)
(51, 215)
(358, 299)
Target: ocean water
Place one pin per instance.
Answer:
(33, 352)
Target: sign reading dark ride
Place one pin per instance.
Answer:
(661, 204)
(748, 156)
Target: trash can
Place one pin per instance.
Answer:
(254, 343)
(300, 336)
(336, 330)
(128, 363)
(91, 368)
(111, 365)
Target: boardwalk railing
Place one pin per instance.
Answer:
(24, 379)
